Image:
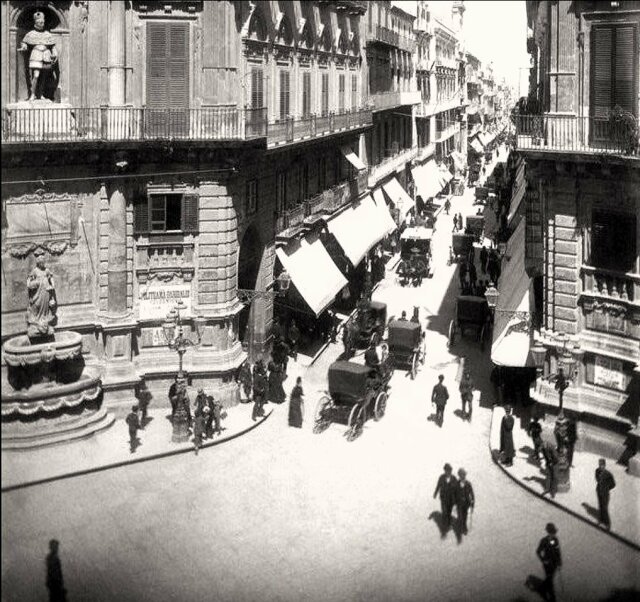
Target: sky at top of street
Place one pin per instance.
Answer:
(495, 30)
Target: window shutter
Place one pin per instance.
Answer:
(601, 83)
(156, 76)
(141, 216)
(306, 94)
(325, 94)
(257, 88)
(354, 92)
(341, 93)
(284, 94)
(178, 71)
(190, 213)
(626, 70)
(589, 364)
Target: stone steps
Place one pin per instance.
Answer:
(79, 428)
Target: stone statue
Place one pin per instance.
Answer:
(41, 313)
(43, 58)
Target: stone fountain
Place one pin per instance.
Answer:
(49, 394)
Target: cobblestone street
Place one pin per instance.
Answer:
(284, 514)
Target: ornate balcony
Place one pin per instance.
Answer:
(117, 124)
(392, 98)
(163, 260)
(568, 133)
(394, 160)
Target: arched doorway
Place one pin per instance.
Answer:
(248, 268)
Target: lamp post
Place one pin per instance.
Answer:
(492, 294)
(177, 341)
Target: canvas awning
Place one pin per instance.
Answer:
(357, 229)
(511, 332)
(446, 175)
(520, 186)
(386, 221)
(399, 196)
(458, 161)
(352, 158)
(476, 145)
(428, 180)
(303, 262)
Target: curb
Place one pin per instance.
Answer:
(157, 456)
(552, 502)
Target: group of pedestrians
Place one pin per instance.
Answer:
(454, 492)
(458, 222)
(440, 396)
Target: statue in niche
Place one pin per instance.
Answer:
(41, 312)
(42, 79)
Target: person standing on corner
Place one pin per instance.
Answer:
(465, 499)
(259, 391)
(134, 424)
(55, 581)
(535, 432)
(506, 438)
(296, 405)
(549, 554)
(447, 487)
(294, 337)
(604, 484)
(439, 397)
(466, 395)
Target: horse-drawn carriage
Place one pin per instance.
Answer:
(367, 325)
(415, 255)
(481, 194)
(475, 226)
(356, 393)
(407, 345)
(471, 313)
(461, 244)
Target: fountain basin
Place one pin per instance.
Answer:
(20, 351)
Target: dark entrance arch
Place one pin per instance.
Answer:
(248, 268)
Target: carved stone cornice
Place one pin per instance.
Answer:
(21, 250)
(165, 274)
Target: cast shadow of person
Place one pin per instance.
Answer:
(55, 582)
(536, 585)
(592, 511)
(542, 481)
(438, 519)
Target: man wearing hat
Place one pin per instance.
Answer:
(447, 487)
(464, 499)
(201, 402)
(134, 424)
(466, 395)
(439, 396)
(549, 554)
(604, 484)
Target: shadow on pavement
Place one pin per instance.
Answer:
(536, 585)
(622, 595)
(540, 480)
(437, 517)
(592, 511)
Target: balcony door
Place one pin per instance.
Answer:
(167, 79)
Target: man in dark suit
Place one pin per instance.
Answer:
(259, 392)
(466, 395)
(55, 581)
(465, 499)
(439, 396)
(550, 456)
(604, 484)
(447, 488)
(549, 554)
(134, 424)
(506, 438)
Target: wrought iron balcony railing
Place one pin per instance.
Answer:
(567, 133)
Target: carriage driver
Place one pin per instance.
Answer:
(371, 360)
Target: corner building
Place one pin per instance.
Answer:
(180, 140)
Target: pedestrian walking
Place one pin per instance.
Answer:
(276, 391)
(134, 424)
(466, 395)
(535, 432)
(462, 273)
(604, 484)
(460, 222)
(455, 222)
(244, 378)
(55, 581)
(259, 391)
(200, 402)
(439, 397)
(447, 206)
(447, 488)
(199, 424)
(296, 405)
(550, 456)
(506, 438)
(218, 416)
(549, 554)
(144, 399)
(465, 499)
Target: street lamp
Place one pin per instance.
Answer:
(492, 294)
(246, 295)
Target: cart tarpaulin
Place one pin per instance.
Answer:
(304, 263)
(399, 196)
(353, 158)
(348, 378)
(386, 221)
(510, 333)
(354, 239)
(404, 334)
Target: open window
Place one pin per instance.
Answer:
(613, 241)
(166, 212)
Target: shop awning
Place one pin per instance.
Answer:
(304, 263)
(428, 179)
(458, 160)
(520, 185)
(386, 221)
(357, 229)
(510, 333)
(446, 175)
(399, 196)
(476, 145)
(352, 158)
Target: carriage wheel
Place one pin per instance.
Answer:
(356, 422)
(452, 333)
(380, 406)
(414, 365)
(423, 352)
(321, 420)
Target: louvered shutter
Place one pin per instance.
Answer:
(306, 94)
(156, 76)
(141, 216)
(190, 213)
(284, 94)
(178, 71)
(167, 65)
(354, 92)
(626, 68)
(341, 93)
(589, 364)
(257, 88)
(325, 94)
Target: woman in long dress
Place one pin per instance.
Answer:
(296, 405)
(276, 392)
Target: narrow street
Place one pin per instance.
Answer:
(283, 514)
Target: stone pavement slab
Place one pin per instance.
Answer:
(581, 499)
